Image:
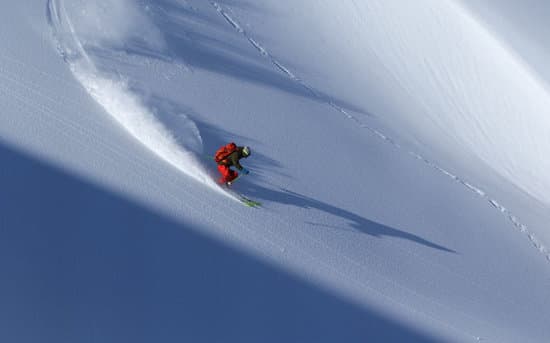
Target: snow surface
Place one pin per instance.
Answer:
(399, 150)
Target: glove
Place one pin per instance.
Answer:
(245, 171)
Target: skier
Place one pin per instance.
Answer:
(228, 156)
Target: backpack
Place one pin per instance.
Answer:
(224, 151)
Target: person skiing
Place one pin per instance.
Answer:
(228, 156)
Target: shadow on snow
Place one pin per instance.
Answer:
(357, 222)
(202, 39)
(80, 263)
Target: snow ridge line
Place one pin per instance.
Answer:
(494, 203)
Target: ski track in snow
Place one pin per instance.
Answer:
(493, 202)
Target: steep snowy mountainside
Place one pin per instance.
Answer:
(431, 77)
(115, 231)
(520, 25)
(484, 102)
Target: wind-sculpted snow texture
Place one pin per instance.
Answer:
(397, 150)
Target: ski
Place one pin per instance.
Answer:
(249, 202)
(242, 198)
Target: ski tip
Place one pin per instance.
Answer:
(253, 204)
(250, 203)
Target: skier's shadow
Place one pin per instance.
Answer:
(355, 221)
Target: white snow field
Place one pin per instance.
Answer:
(399, 150)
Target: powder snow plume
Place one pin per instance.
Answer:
(80, 27)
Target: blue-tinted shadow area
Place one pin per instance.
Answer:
(79, 263)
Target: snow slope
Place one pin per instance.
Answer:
(404, 195)
(521, 26)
